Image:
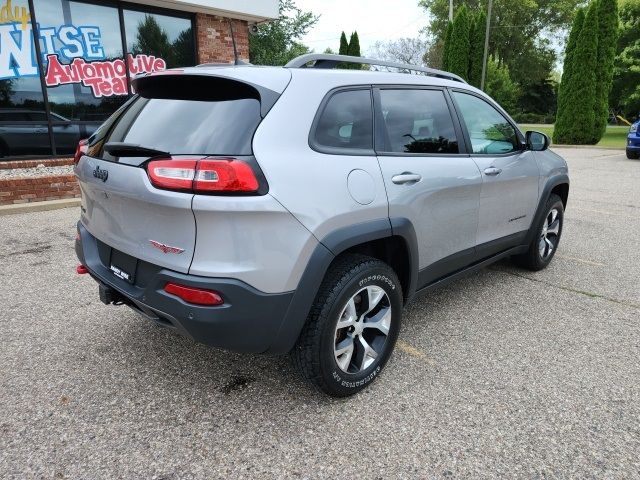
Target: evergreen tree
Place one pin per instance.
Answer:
(580, 94)
(562, 119)
(344, 45)
(343, 50)
(607, 42)
(476, 55)
(446, 47)
(459, 49)
(354, 50)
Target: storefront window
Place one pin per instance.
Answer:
(21, 98)
(85, 67)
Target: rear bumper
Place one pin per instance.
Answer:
(248, 321)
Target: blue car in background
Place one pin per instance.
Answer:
(633, 141)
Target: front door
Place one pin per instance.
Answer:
(428, 180)
(510, 174)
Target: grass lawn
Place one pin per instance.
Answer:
(614, 136)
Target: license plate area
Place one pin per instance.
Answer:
(123, 266)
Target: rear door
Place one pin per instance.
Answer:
(429, 180)
(120, 206)
(509, 174)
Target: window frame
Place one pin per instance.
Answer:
(496, 107)
(317, 147)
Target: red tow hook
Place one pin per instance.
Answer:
(81, 269)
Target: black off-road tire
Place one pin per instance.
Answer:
(632, 155)
(314, 354)
(533, 259)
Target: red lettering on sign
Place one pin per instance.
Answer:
(104, 78)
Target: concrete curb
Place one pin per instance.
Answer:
(39, 206)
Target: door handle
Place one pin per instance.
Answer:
(492, 171)
(406, 177)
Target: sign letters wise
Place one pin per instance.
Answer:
(72, 54)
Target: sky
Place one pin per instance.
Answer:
(373, 19)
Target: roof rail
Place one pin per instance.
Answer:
(325, 60)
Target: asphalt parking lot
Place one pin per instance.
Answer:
(502, 374)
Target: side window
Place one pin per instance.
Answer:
(346, 121)
(417, 121)
(490, 132)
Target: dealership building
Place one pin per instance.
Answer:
(66, 65)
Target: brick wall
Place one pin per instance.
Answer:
(24, 190)
(214, 39)
(47, 162)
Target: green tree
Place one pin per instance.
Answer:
(354, 50)
(343, 49)
(500, 86)
(607, 38)
(445, 47)
(6, 91)
(344, 45)
(183, 49)
(476, 54)
(458, 50)
(575, 123)
(521, 32)
(278, 41)
(151, 39)
(625, 95)
(568, 69)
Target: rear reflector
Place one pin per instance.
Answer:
(81, 270)
(227, 175)
(197, 296)
(81, 149)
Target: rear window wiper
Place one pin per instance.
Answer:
(122, 149)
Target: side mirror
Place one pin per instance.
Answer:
(537, 141)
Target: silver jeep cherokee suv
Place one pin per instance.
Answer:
(297, 209)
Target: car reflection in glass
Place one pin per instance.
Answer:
(25, 132)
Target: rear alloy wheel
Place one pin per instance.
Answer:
(352, 327)
(362, 329)
(546, 241)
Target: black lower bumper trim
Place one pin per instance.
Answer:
(248, 321)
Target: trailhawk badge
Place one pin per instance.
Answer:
(101, 174)
(166, 248)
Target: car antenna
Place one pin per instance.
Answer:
(236, 60)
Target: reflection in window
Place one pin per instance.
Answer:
(418, 121)
(102, 42)
(166, 37)
(21, 98)
(489, 130)
(347, 121)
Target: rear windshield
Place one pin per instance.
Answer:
(184, 124)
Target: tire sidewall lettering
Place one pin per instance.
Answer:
(356, 383)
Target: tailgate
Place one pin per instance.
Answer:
(121, 208)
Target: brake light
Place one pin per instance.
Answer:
(222, 175)
(81, 149)
(226, 175)
(197, 296)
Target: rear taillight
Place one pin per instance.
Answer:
(81, 149)
(197, 296)
(222, 175)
